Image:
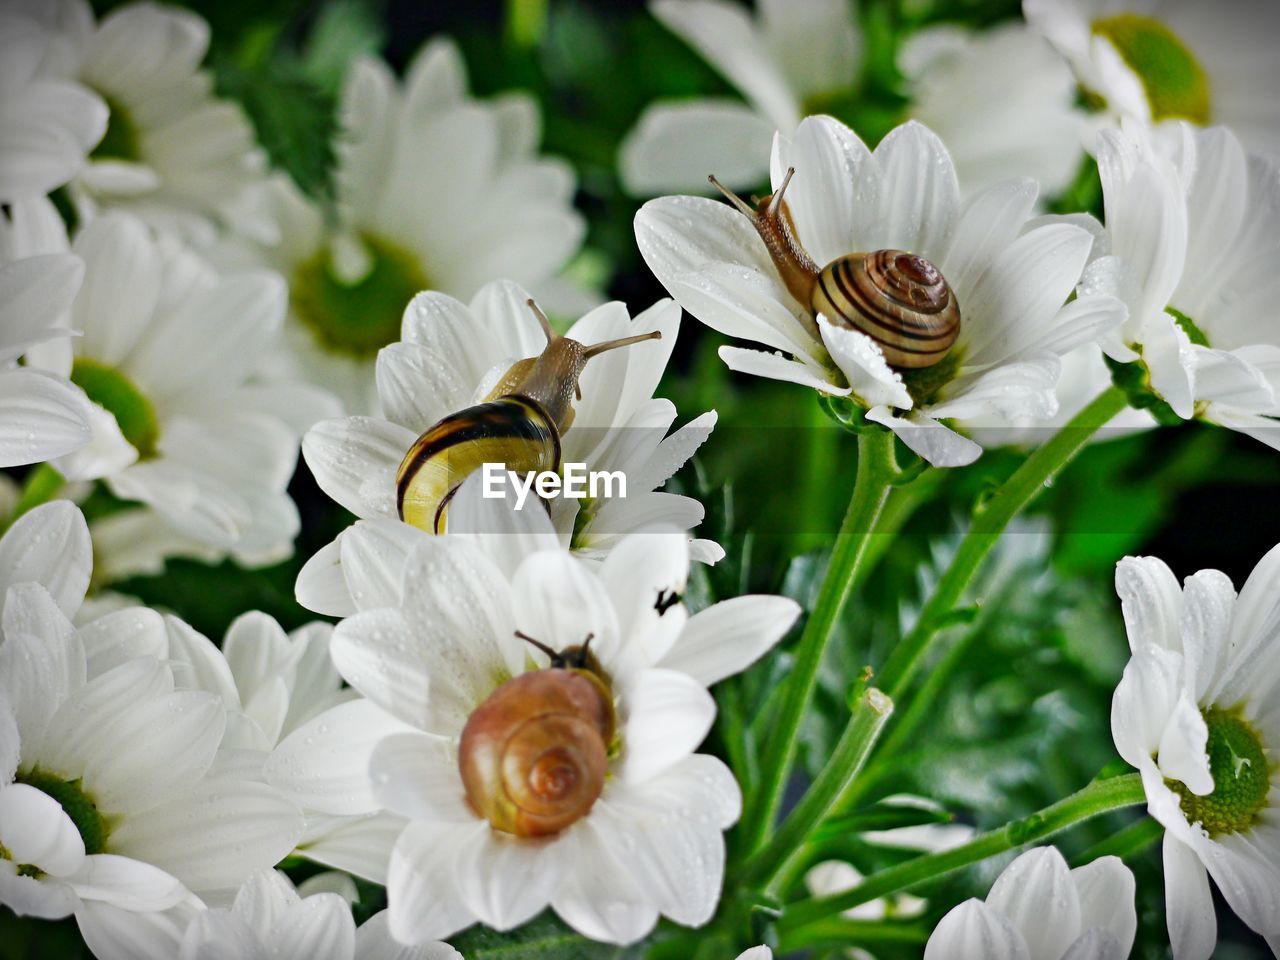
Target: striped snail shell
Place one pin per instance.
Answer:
(519, 425)
(534, 754)
(898, 299)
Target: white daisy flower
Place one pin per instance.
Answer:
(167, 355)
(1039, 908)
(173, 153)
(761, 952)
(49, 125)
(1192, 232)
(452, 356)
(1008, 277)
(1197, 713)
(270, 682)
(999, 99)
(270, 918)
(112, 795)
(628, 822)
(41, 415)
(1155, 60)
(436, 191)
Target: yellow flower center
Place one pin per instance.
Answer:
(358, 318)
(1175, 82)
(117, 394)
(1241, 777)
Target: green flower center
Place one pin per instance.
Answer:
(1175, 82)
(116, 393)
(122, 140)
(75, 803)
(926, 383)
(1189, 327)
(1241, 777)
(358, 318)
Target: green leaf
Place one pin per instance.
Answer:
(345, 31)
(543, 938)
(295, 119)
(880, 817)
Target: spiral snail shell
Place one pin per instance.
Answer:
(534, 754)
(519, 424)
(898, 299)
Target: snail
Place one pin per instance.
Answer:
(534, 754)
(519, 424)
(898, 299)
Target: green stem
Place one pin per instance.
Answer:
(842, 933)
(870, 712)
(43, 483)
(1099, 797)
(876, 470)
(1126, 843)
(989, 521)
(919, 706)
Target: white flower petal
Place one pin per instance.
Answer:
(506, 881)
(324, 764)
(1016, 300)
(862, 362)
(322, 585)
(416, 775)
(41, 417)
(1182, 754)
(560, 602)
(123, 635)
(216, 836)
(319, 927)
(35, 830)
(1193, 927)
(974, 931)
(28, 897)
(1106, 890)
(1143, 703)
(1035, 892)
(726, 638)
(360, 846)
(728, 39)
(355, 462)
(933, 441)
(674, 145)
(126, 883)
(49, 546)
(113, 933)
(919, 196)
(422, 895)
(374, 942)
(776, 366)
(1151, 601)
(668, 715)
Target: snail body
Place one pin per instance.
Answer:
(519, 424)
(534, 755)
(898, 299)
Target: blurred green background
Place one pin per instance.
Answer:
(1025, 719)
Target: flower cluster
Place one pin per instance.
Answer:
(241, 263)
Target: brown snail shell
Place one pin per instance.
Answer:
(898, 299)
(534, 755)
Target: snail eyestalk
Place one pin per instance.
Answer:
(775, 202)
(542, 320)
(598, 348)
(732, 197)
